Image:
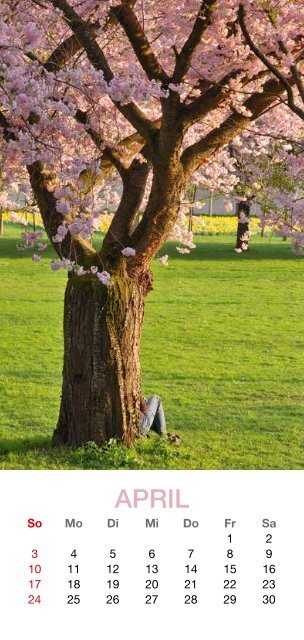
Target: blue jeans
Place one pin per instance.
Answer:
(154, 418)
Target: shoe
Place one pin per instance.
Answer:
(174, 438)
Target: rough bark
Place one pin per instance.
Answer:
(101, 375)
(243, 230)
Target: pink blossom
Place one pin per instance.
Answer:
(62, 264)
(182, 250)
(228, 205)
(105, 278)
(15, 217)
(56, 265)
(128, 251)
(243, 218)
(245, 237)
(68, 265)
(30, 238)
(36, 257)
(64, 207)
(31, 33)
(76, 227)
(179, 88)
(81, 271)
(61, 233)
(164, 260)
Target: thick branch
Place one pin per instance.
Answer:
(198, 153)
(268, 64)
(109, 155)
(83, 118)
(64, 52)
(184, 57)
(209, 100)
(83, 32)
(139, 41)
(124, 151)
(119, 232)
(97, 58)
(161, 212)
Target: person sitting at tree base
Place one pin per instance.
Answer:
(152, 418)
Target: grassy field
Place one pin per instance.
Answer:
(223, 346)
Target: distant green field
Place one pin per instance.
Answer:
(222, 345)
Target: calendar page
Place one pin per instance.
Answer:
(151, 319)
(185, 553)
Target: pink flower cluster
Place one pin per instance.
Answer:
(104, 277)
(30, 241)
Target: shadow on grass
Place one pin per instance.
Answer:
(8, 249)
(24, 445)
(38, 453)
(259, 250)
(12, 237)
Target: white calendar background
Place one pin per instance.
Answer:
(214, 569)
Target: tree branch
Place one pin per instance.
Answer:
(298, 80)
(198, 153)
(134, 183)
(209, 100)
(294, 71)
(184, 57)
(139, 41)
(124, 152)
(97, 58)
(109, 154)
(62, 54)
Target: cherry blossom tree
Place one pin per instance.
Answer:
(269, 163)
(144, 90)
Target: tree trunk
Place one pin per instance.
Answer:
(243, 230)
(101, 375)
(1, 224)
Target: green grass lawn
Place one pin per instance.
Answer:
(222, 345)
